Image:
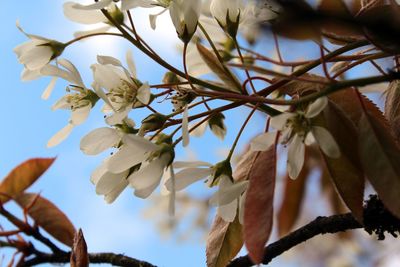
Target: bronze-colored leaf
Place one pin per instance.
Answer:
(345, 171)
(224, 242)
(292, 200)
(232, 83)
(380, 157)
(392, 107)
(22, 177)
(48, 216)
(79, 254)
(258, 207)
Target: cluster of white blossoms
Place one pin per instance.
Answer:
(142, 155)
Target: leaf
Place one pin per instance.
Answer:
(224, 242)
(380, 157)
(392, 107)
(258, 209)
(345, 171)
(292, 200)
(48, 216)
(223, 73)
(22, 177)
(79, 255)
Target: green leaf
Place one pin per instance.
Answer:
(48, 216)
(224, 242)
(222, 72)
(22, 177)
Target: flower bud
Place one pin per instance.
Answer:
(170, 78)
(217, 125)
(153, 122)
(221, 168)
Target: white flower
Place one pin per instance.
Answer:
(227, 197)
(228, 14)
(99, 140)
(185, 15)
(109, 184)
(79, 99)
(37, 52)
(122, 90)
(297, 131)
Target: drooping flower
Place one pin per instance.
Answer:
(228, 14)
(123, 91)
(79, 98)
(185, 16)
(297, 130)
(37, 52)
(216, 124)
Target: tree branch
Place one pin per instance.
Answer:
(111, 258)
(376, 220)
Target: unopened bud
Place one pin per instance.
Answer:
(153, 122)
(217, 125)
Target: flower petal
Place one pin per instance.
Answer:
(185, 127)
(228, 212)
(125, 159)
(108, 181)
(326, 142)
(316, 107)
(49, 89)
(131, 63)
(279, 121)
(112, 195)
(187, 177)
(263, 141)
(99, 140)
(144, 94)
(79, 115)
(60, 136)
(295, 159)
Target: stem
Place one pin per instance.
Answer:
(245, 70)
(92, 35)
(240, 133)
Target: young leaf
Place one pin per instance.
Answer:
(258, 209)
(224, 242)
(292, 200)
(48, 216)
(392, 107)
(223, 73)
(22, 177)
(79, 254)
(345, 171)
(380, 156)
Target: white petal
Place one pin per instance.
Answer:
(97, 5)
(98, 173)
(125, 158)
(75, 76)
(118, 117)
(29, 75)
(37, 57)
(263, 141)
(188, 176)
(49, 89)
(76, 14)
(190, 164)
(131, 63)
(111, 196)
(279, 121)
(104, 60)
(149, 174)
(172, 195)
(226, 195)
(129, 4)
(108, 181)
(200, 130)
(143, 93)
(139, 143)
(228, 212)
(295, 159)
(146, 192)
(80, 115)
(316, 107)
(101, 29)
(185, 127)
(99, 140)
(242, 201)
(60, 136)
(326, 142)
(218, 131)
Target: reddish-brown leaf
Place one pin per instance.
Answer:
(345, 171)
(258, 211)
(292, 200)
(392, 107)
(79, 255)
(224, 242)
(48, 216)
(23, 176)
(380, 157)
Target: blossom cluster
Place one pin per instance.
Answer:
(143, 155)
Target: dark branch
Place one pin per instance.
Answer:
(376, 220)
(111, 258)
